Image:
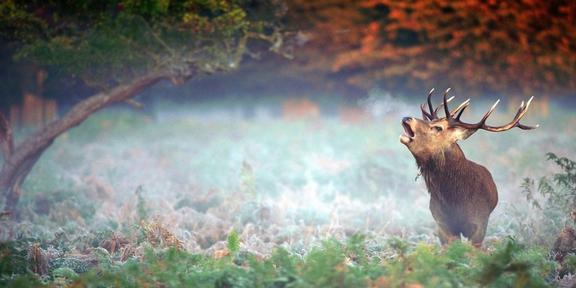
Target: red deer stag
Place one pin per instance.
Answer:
(462, 193)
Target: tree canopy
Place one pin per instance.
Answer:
(507, 46)
(107, 42)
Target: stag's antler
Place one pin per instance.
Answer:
(514, 123)
(432, 114)
(454, 116)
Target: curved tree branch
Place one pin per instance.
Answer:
(22, 158)
(6, 138)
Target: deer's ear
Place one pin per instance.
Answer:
(462, 133)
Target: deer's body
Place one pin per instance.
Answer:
(462, 193)
(459, 206)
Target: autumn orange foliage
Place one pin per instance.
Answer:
(525, 47)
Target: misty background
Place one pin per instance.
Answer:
(289, 150)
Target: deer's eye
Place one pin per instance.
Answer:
(437, 128)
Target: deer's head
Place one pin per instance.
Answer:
(432, 135)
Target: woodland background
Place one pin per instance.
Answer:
(509, 48)
(280, 165)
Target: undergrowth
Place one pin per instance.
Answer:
(331, 264)
(147, 254)
(552, 200)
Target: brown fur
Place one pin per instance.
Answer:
(462, 193)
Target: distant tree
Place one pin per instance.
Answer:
(510, 46)
(123, 47)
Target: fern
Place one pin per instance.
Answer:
(558, 191)
(233, 242)
(528, 190)
(329, 265)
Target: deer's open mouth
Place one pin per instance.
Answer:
(408, 134)
(407, 129)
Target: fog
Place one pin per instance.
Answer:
(281, 171)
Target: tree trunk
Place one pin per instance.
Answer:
(19, 160)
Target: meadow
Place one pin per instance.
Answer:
(206, 194)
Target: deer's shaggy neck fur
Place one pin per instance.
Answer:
(443, 169)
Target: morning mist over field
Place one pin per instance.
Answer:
(283, 143)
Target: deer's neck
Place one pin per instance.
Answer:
(443, 170)
(450, 158)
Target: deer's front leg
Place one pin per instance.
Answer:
(477, 233)
(445, 234)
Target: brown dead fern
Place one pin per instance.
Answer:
(159, 236)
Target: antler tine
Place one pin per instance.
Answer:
(521, 126)
(519, 109)
(446, 109)
(460, 113)
(442, 104)
(460, 109)
(489, 112)
(425, 114)
(516, 121)
(526, 127)
(432, 113)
